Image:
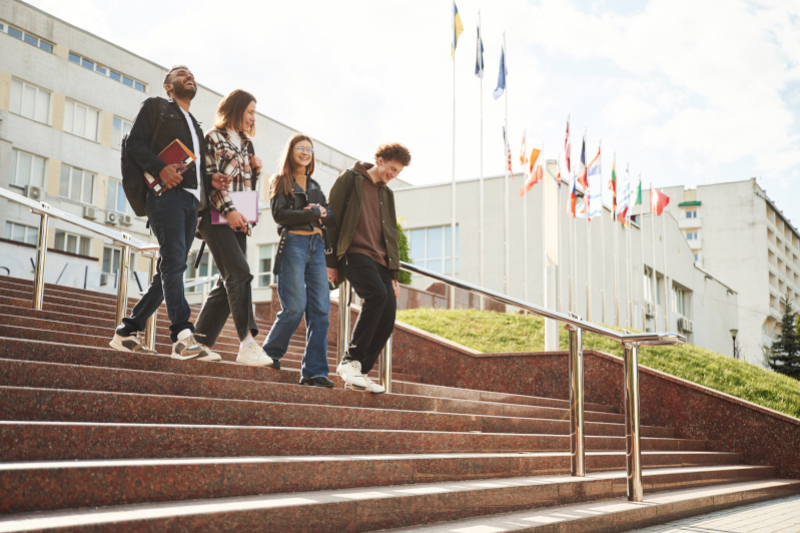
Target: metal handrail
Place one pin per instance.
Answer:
(631, 342)
(201, 281)
(46, 211)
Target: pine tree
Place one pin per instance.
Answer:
(784, 354)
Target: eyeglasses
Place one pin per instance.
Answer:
(304, 149)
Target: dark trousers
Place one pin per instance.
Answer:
(173, 219)
(373, 284)
(233, 292)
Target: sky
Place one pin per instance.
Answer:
(687, 92)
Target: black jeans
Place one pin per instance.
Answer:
(373, 284)
(232, 293)
(173, 219)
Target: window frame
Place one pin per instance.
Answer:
(445, 257)
(79, 243)
(83, 180)
(15, 169)
(115, 143)
(268, 273)
(36, 101)
(119, 189)
(7, 28)
(10, 225)
(107, 72)
(73, 114)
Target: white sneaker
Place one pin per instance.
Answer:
(186, 348)
(253, 355)
(209, 355)
(350, 372)
(132, 344)
(373, 387)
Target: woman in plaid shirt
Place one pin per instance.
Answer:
(231, 159)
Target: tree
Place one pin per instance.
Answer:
(402, 241)
(784, 354)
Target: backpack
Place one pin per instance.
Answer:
(133, 180)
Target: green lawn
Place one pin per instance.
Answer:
(490, 332)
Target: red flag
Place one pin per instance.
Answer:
(535, 177)
(658, 201)
(508, 154)
(567, 149)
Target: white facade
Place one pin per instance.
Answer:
(736, 232)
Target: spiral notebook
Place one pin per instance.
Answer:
(246, 202)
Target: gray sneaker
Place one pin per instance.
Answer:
(132, 344)
(186, 349)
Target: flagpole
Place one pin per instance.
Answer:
(667, 288)
(587, 202)
(616, 242)
(524, 231)
(641, 235)
(559, 291)
(452, 291)
(544, 228)
(655, 277)
(629, 251)
(480, 188)
(505, 181)
(602, 236)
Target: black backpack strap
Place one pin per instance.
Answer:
(349, 191)
(162, 111)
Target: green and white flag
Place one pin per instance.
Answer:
(638, 194)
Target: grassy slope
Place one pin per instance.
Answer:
(490, 332)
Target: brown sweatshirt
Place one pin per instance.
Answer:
(368, 238)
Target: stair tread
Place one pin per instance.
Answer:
(307, 502)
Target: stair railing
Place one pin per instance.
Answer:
(46, 212)
(631, 342)
(204, 283)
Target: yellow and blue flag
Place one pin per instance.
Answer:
(458, 29)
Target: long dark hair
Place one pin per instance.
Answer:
(230, 111)
(283, 181)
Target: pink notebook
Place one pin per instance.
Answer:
(246, 202)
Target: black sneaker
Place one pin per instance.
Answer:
(318, 382)
(275, 365)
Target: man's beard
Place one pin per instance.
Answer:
(183, 93)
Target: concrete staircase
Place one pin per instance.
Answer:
(95, 440)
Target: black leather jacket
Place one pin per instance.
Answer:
(289, 214)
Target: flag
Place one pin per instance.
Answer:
(595, 190)
(636, 199)
(523, 155)
(612, 185)
(625, 197)
(508, 154)
(573, 196)
(580, 171)
(580, 209)
(534, 176)
(567, 149)
(458, 29)
(501, 77)
(658, 201)
(479, 66)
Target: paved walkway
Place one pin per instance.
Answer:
(774, 516)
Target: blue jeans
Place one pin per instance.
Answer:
(173, 219)
(303, 288)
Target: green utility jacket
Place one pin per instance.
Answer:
(341, 235)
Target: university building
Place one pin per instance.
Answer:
(67, 97)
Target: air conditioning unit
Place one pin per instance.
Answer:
(689, 326)
(89, 212)
(112, 218)
(648, 308)
(684, 324)
(34, 193)
(125, 220)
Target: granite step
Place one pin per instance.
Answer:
(37, 404)
(618, 515)
(51, 441)
(158, 380)
(381, 507)
(29, 487)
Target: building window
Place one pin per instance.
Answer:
(76, 184)
(696, 258)
(648, 285)
(74, 244)
(691, 235)
(115, 199)
(81, 120)
(105, 71)
(201, 271)
(29, 101)
(26, 169)
(265, 255)
(678, 303)
(27, 37)
(691, 213)
(121, 128)
(20, 233)
(430, 248)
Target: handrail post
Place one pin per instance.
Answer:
(122, 283)
(204, 293)
(150, 330)
(385, 366)
(576, 413)
(632, 423)
(41, 256)
(344, 320)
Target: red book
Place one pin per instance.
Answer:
(175, 152)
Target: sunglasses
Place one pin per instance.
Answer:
(304, 149)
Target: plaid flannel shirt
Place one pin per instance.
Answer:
(223, 156)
